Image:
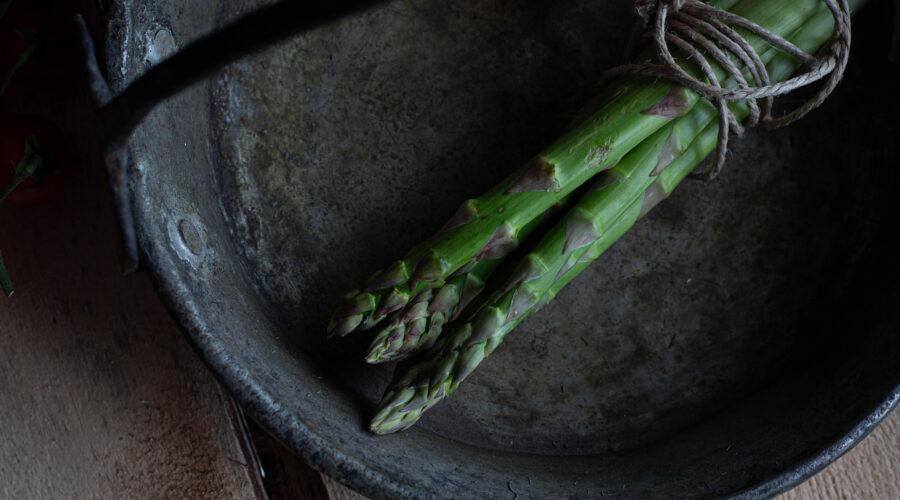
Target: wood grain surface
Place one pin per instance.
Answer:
(100, 395)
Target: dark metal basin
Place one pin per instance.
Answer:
(735, 342)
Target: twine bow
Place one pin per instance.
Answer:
(703, 31)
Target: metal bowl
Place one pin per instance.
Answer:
(735, 342)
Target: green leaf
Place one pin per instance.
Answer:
(37, 163)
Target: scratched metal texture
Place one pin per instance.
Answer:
(739, 338)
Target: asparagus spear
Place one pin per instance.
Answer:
(420, 385)
(423, 384)
(490, 227)
(416, 326)
(594, 224)
(419, 325)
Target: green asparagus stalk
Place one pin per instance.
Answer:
(594, 224)
(489, 227)
(415, 327)
(420, 324)
(424, 384)
(421, 385)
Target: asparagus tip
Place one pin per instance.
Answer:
(580, 232)
(466, 213)
(521, 303)
(393, 302)
(670, 151)
(538, 175)
(394, 275)
(529, 269)
(501, 243)
(428, 269)
(343, 326)
(675, 103)
(445, 300)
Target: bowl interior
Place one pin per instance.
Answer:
(724, 343)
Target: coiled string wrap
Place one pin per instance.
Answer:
(704, 32)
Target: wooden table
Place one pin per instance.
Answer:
(101, 397)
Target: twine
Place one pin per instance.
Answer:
(703, 31)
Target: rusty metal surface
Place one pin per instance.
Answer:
(707, 353)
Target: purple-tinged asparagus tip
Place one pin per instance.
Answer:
(343, 326)
(470, 358)
(428, 269)
(670, 151)
(443, 370)
(393, 422)
(397, 399)
(538, 175)
(423, 380)
(394, 275)
(530, 268)
(445, 300)
(438, 320)
(485, 325)
(466, 213)
(419, 301)
(383, 349)
(439, 392)
(355, 303)
(394, 301)
(417, 309)
(521, 303)
(580, 232)
(501, 243)
(674, 104)
(416, 328)
(417, 402)
(470, 289)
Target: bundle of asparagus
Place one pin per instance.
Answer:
(640, 139)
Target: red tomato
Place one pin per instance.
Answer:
(55, 159)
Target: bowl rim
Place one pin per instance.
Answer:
(322, 455)
(320, 452)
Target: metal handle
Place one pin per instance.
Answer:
(118, 116)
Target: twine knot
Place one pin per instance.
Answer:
(703, 31)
